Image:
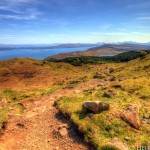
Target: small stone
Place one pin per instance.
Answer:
(127, 138)
(146, 116)
(111, 70)
(62, 126)
(112, 79)
(109, 93)
(63, 132)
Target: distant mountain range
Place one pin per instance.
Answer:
(69, 45)
(52, 46)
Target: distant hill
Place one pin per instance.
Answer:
(104, 49)
(46, 46)
(122, 57)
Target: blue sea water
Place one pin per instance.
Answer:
(107, 55)
(37, 54)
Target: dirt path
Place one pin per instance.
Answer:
(37, 128)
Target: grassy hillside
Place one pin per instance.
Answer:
(28, 78)
(132, 85)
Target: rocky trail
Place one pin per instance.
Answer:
(42, 127)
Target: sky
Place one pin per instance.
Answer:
(74, 21)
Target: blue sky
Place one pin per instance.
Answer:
(72, 21)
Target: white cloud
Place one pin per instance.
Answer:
(109, 33)
(19, 9)
(144, 18)
(139, 5)
(17, 17)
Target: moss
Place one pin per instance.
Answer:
(3, 114)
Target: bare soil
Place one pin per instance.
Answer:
(35, 128)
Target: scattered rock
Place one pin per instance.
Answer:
(109, 93)
(101, 84)
(63, 132)
(96, 106)
(118, 144)
(131, 116)
(146, 116)
(21, 125)
(127, 138)
(98, 76)
(146, 121)
(3, 126)
(62, 126)
(111, 70)
(112, 79)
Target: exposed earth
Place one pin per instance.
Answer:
(38, 127)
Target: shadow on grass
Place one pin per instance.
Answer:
(73, 131)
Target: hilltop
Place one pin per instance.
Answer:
(34, 94)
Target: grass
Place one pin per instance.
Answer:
(100, 128)
(34, 78)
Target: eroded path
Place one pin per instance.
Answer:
(35, 128)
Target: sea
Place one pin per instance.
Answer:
(39, 54)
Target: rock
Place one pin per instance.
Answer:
(111, 70)
(131, 116)
(118, 144)
(127, 138)
(101, 84)
(109, 93)
(3, 126)
(63, 132)
(62, 126)
(21, 125)
(146, 116)
(112, 79)
(98, 76)
(96, 106)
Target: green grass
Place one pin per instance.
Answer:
(123, 57)
(24, 94)
(100, 128)
(3, 114)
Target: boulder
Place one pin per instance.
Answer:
(96, 106)
(116, 143)
(131, 116)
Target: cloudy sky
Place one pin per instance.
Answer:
(71, 21)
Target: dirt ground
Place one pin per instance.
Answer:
(36, 128)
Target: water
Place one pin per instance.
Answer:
(37, 54)
(107, 55)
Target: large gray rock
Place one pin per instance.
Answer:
(96, 106)
(131, 116)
